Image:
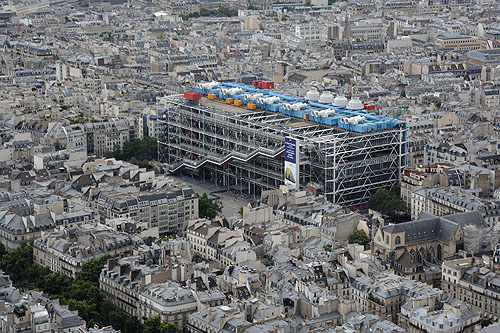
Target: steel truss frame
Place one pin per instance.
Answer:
(245, 150)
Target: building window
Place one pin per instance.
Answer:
(398, 240)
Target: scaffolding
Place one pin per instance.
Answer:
(242, 149)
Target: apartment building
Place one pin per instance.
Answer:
(472, 177)
(168, 208)
(216, 319)
(452, 316)
(438, 5)
(148, 124)
(122, 280)
(415, 150)
(54, 161)
(458, 42)
(208, 239)
(311, 33)
(63, 319)
(490, 97)
(200, 60)
(415, 178)
(102, 137)
(473, 283)
(451, 200)
(445, 153)
(182, 7)
(15, 229)
(145, 290)
(385, 294)
(41, 319)
(169, 300)
(364, 33)
(198, 233)
(65, 251)
(70, 137)
(237, 253)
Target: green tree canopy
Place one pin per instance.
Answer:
(82, 294)
(359, 237)
(91, 270)
(17, 263)
(387, 202)
(155, 325)
(140, 164)
(486, 322)
(142, 149)
(208, 207)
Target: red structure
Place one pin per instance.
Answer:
(263, 84)
(192, 95)
(266, 85)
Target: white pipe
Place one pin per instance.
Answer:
(208, 85)
(354, 120)
(269, 100)
(234, 91)
(212, 84)
(297, 106)
(326, 112)
(254, 97)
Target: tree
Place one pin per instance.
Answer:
(140, 164)
(91, 270)
(17, 262)
(155, 325)
(169, 328)
(373, 298)
(388, 202)
(132, 325)
(359, 237)
(208, 207)
(82, 294)
(3, 251)
(140, 149)
(486, 322)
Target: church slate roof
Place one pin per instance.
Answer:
(429, 226)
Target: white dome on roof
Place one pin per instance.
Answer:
(312, 95)
(355, 104)
(326, 98)
(340, 101)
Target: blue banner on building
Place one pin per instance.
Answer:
(291, 163)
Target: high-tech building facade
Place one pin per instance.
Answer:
(252, 139)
